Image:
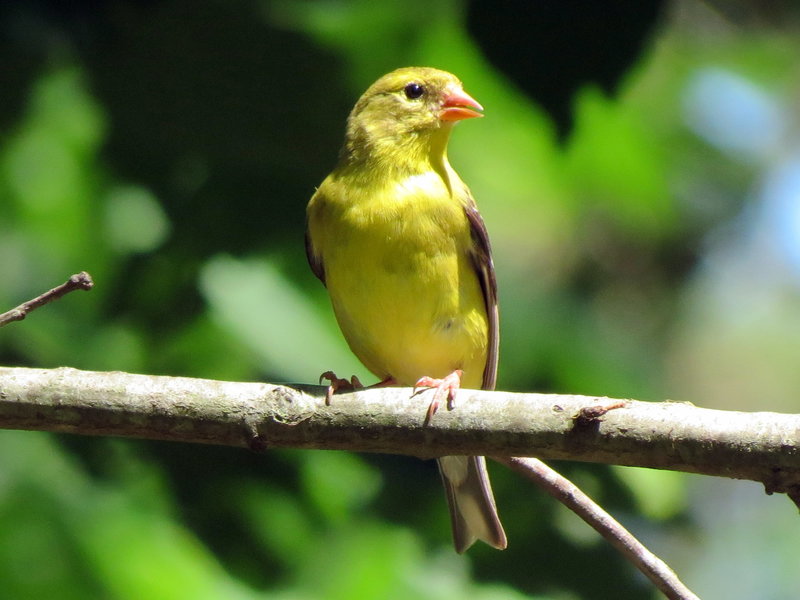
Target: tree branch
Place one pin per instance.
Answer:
(566, 492)
(79, 281)
(761, 446)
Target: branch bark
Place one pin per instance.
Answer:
(761, 446)
(566, 492)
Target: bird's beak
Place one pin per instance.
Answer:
(459, 105)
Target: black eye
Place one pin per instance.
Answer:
(414, 91)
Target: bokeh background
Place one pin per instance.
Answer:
(639, 172)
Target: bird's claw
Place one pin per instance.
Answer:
(445, 389)
(338, 383)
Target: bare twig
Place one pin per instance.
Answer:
(79, 281)
(573, 498)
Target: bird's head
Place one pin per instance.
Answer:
(408, 110)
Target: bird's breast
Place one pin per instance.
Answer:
(398, 269)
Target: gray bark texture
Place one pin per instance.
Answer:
(759, 446)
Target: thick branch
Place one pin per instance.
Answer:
(761, 446)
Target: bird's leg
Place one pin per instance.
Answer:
(337, 383)
(445, 389)
(383, 383)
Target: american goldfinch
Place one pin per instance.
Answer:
(396, 238)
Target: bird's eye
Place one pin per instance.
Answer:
(414, 91)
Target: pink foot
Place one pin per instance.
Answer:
(337, 384)
(388, 382)
(445, 389)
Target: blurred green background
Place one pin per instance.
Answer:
(638, 169)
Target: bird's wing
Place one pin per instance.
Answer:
(314, 259)
(481, 255)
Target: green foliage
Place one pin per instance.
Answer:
(169, 149)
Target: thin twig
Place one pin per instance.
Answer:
(577, 501)
(79, 281)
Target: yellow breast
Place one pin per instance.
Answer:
(400, 276)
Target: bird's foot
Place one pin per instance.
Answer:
(389, 381)
(445, 389)
(337, 383)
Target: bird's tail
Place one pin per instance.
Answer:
(473, 513)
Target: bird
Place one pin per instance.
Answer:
(395, 236)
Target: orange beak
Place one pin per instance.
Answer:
(459, 105)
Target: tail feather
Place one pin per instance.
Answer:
(473, 513)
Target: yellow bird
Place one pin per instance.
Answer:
(396, 237)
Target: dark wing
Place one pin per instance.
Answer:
(482, 260)
(314, 259)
